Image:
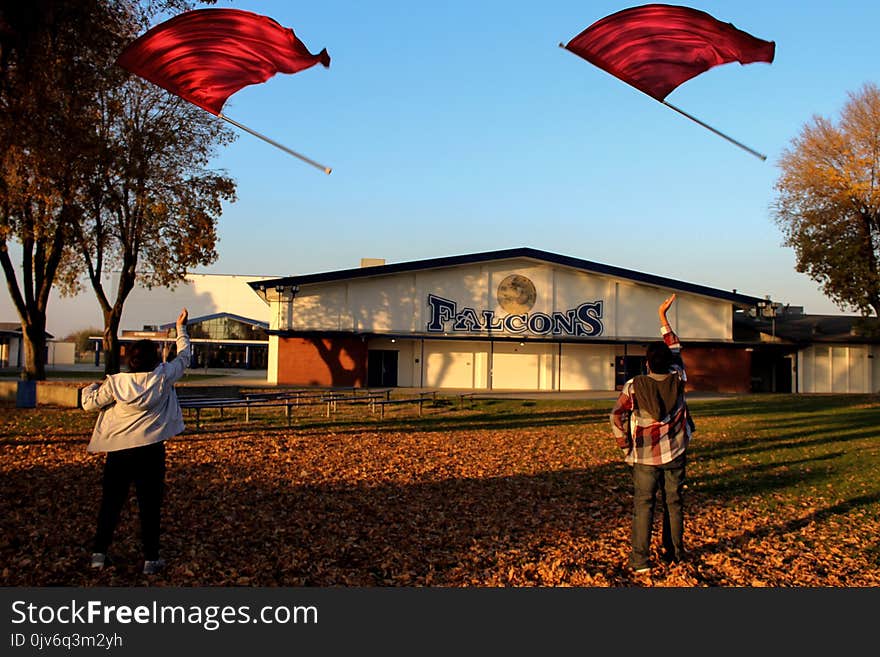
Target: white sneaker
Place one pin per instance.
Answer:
(99, 559)
(153, 567)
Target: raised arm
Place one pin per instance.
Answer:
(181, 320)
(184, 350)
(669, 336)
(661, 311)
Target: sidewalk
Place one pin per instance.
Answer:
(226, 377)
(258, 379)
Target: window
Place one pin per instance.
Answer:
(226, 328)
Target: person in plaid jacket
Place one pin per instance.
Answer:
(652, 425)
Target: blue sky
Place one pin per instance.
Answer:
(457, 127)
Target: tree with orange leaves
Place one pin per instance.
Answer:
(828, 203)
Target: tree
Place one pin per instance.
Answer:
(828, 203)
(151, 204)
(62, 101)
(49, 75)
(81, 339)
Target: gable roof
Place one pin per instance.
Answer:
(203, 318)
(260, 287)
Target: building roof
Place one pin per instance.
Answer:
(260, 287)
(14, 329)
(809, 329)
(204, 318)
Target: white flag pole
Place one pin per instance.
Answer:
(326, 170)
(692, 118)
(717, 132)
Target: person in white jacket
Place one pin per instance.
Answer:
(139, 411)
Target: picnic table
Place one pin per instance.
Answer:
(330, 398)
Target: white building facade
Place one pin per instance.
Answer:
(519, 319)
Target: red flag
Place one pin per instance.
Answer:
(206, 55)
(656, 47)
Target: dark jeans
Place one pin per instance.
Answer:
(145, 466)
(647, 480)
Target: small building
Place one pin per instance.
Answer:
(219, 340)
(10, 344)
(12, 347)
(796, 352)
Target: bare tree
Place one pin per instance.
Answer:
(152, 202)
(49, 75)
(75, 181)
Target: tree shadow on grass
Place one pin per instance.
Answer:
(260, 524)
(42, 426)
(777, 530)
(254, 507)
(761, 479)
(721, 450)
(760, 405)
(477, 421)
(74, 437)
(228, 524)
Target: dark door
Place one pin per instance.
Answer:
(783, 374)
(381, 368)
(626, 367)
(771, 371)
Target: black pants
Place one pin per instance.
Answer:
(145, 466)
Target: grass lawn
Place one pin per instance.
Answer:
(783, 491)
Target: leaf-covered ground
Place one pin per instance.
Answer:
(783, 491)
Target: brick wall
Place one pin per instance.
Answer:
(336, 361)
(712, 369)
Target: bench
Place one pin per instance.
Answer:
(198, 404)
(382, 403)
(288, 399)
(370, 399)
(465, 395)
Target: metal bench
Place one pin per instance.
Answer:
(382, 403)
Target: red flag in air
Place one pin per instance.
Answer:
(206, 55)
(655, 47)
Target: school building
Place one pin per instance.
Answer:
(525, 319)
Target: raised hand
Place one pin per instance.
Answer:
(664, 307)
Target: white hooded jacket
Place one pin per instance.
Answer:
(138, 408)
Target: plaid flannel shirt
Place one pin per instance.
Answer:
(646, 440)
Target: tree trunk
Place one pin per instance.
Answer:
(31, 310)
(33, 335)
(112, 358)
